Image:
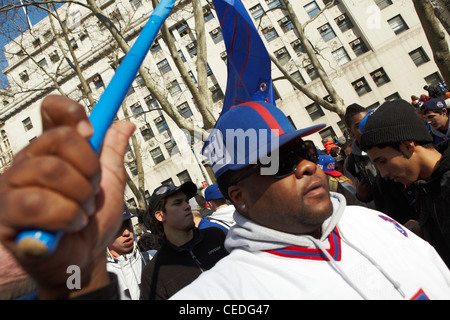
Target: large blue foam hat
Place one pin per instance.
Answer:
(247, 133)
(248, 63)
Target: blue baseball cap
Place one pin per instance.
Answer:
(212, 192)
(328, 165)
(248, 132)
(434, 104)
(126, 213)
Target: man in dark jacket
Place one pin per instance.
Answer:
(185, 250)
(398, 142)
(371, 188)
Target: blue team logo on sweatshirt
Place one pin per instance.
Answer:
(395, 223)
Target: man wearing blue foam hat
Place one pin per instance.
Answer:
(293, 239)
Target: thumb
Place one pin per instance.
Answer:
(113, 178)
(115, 144)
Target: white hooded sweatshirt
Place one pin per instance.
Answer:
(128, 268)
(362, 254)
(223, 216)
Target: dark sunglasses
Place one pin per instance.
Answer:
(288, 160)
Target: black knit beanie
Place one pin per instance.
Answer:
(393, 122)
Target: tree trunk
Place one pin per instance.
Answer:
(435, 35)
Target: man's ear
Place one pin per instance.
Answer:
(407, 148)
(160, 216)
(238, 198)
(350, 132)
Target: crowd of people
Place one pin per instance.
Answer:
(367, 217)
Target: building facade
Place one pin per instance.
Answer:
(372, 51)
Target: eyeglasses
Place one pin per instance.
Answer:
(288, 160)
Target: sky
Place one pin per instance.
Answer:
(11, 24)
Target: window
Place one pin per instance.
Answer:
(344, 23)
(312, 9)
(140, 81)
(174, 88)
(184, 177)
(192, 48)
(171, 147)
(328, 98)
(155, 47)
(183, 29)
(298, 47)
(272, 4)
(161, 124)
(185, 110)
(359, 47)
(257, 11)
(43, 63)
(130, 91)
(24, 76)
(341, 56)
(270, 33)
(48, 35)
(157, 155)
(380, 77)
(315, 111)
(98, 81)
(36, 43)
(131, 203)
(286, 24)
(151, 103)
(73, 44)
(298, 77)
(180, 53)
(136, 4)
(327, 133)
(326, 32)
(208, 70)
(207, 14)
(419, 56)
(133, 168)
(283, 56)
(383, 3)
(27, 124)
(146, 132)
(166, 182)
(330, 2)
(312, 72)
(137, 109)
(116, 16)
(223, 56)
(292, 122)
(84, 35)
(54, 56)
(217, 93)
(216, 35)
(164, 66)
(394, 96)
(433, 79)
(397, 24)
(361, 86)
(191, 74)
